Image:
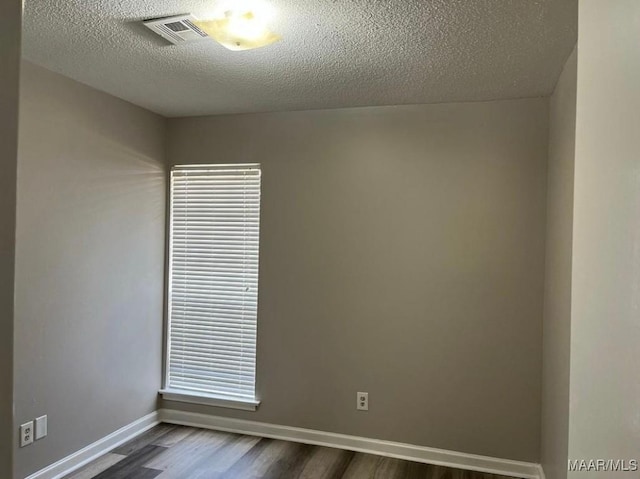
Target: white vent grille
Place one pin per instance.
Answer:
(177, 30)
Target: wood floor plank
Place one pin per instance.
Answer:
(246, 464)
(216, 464)
(261, 460)
(96, 467)
(445, 473)
(290, 463)
(145, 439)
(143, 473)
(390, 468)
(183, 457)
(131, 466)
(326, 463)
(450, 473)
(416, 470)
(173, 436)
(177, 452)
(438, 472)
(362, 466)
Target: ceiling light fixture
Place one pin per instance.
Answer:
(240, 25)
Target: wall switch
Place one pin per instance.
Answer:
(363, 402)
(26, 434)
(41, 427)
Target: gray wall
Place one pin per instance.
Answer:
(557, 304)
(605, 329)
(402, 253)
(10, 29)
(89, 264)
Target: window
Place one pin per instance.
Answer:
(213, 284)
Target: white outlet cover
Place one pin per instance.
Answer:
(362, 403)
(41, 427)
(26, 433)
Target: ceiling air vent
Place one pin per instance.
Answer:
(177, 30)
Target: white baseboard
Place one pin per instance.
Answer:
(440, 457)
(100, 447)
(429, 455)
(541, 474)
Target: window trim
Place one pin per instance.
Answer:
(205, 399)
(173, 394)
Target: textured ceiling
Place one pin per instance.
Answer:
(334, 53)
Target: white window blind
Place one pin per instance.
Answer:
(213, 291)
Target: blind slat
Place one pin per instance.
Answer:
(213, 293)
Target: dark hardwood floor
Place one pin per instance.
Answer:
(176, 452)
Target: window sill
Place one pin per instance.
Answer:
(209, 399)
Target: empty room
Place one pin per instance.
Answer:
(329, 239)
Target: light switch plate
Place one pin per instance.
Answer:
(41, 427)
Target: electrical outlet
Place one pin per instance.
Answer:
(363, 402)
(41, 427)
(26, 434)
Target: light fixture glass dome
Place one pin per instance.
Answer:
(241, 25)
